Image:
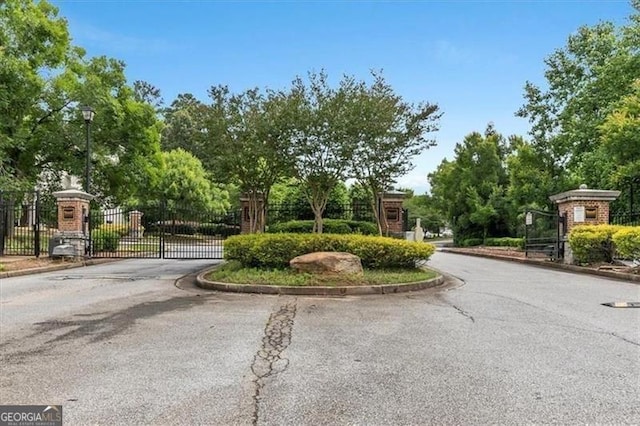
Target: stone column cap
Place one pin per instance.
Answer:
(585, 194)
(73, 194)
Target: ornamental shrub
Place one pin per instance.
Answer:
(505, 242)
(627, 242)
(330, 226)
(121, 229)
(276, 250)
(592, 243)
(221, 229)
(471, 242)
(105, 241)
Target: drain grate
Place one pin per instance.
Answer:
(622, 304)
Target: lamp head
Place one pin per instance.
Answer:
(88, 114)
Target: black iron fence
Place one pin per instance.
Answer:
(28, 221)
(285, 212)
(161, 230)
(543, 234)
(625, 218)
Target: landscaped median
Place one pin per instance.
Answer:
(259, 263)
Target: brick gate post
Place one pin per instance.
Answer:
(582, 206)
(73, 220)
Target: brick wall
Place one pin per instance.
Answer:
(602, 212)
(393, 209)
(70, 217)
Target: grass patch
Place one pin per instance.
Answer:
(233, 272)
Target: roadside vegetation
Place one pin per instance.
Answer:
(264, 259)
(234, 272)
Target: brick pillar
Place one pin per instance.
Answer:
(73, 225)
(245, 223)
(391, 204)
(583, 206)
(135, 224)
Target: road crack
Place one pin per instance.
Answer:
(268, 361)
(464, 313)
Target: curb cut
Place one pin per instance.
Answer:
(60, 267)
(631, 278)
(316, 290)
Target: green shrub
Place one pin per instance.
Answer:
(627, 242)
(105, 241)
(330, 226)
(121, 229)
(592, 243)
(276, 250)
(221, 229)
(505, 242)
(471, 242)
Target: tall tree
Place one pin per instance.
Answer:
(471, 188)
(43, 82)
(585, 79)
(34, 47)
(183, 183)
(621, 142)
(247, 136)
(321, 147)
(389, 132)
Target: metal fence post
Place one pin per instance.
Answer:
(36, 225)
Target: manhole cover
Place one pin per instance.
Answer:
(622, 304)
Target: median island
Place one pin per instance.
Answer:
(321, 264)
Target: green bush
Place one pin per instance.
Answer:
(276, 250)
(121, 229)
(627, 242)
(505, 242)
(330, 226)
(105, 241)
(471, 242)
(221, 229)
(592, 243)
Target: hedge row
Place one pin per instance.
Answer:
(494, 242)
(505, 242)
(276, 250)
(330, 226)
(599, 243)
(193, 228)
(121, 229)
(627, 242)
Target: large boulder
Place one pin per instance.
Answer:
(327, 262)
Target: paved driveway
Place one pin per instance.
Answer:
(120, 344)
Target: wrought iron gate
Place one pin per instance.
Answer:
(27, 223)
(544, 233)
(162, 230)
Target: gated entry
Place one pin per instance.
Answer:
(161, 231)
(544, 232)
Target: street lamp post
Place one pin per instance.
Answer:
(88, 114)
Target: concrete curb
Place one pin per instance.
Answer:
(60, 267)
(632, 278)
(315, 291)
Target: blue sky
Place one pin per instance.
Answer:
(472, 58)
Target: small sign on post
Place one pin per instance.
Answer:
(528, 219)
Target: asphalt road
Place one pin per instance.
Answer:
(507, 343)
